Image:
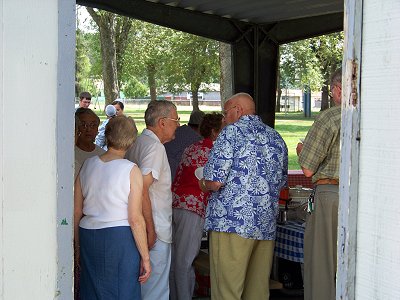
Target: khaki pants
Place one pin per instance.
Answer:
(239, 267)
(320, 245)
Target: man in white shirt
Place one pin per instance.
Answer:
(149, 154)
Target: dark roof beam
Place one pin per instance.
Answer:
(268, 36)
(244, 35)
(294, 30)
(206, 25)
(216, 27)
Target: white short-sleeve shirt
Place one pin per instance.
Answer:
(150, 156)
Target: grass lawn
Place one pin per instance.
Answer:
(292, 126)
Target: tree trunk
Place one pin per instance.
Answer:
(325, 97)
(278, 101)
(110, 76)
(151, 77)
(122, 32)
(105, 22)
(225, 62)
(195, 94)
(278, 97)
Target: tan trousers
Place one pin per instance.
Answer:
(239, 267)
(320, 245)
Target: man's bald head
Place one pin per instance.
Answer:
(238, 105)
(245, 101)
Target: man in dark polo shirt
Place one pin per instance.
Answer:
(185, 135)
(319, 158)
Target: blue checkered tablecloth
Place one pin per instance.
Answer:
(289, 241)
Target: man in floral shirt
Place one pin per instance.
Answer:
(246, 170)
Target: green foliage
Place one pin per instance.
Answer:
(94, 53)
(299, 66)
(153, 57)
(133, 88)
(193, 60)
(88, 56)
(310, 62)
(82, 65)
(169, 60)
(145, 56)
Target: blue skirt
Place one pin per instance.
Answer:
(110, 264)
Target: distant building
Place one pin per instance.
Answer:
(292, 100)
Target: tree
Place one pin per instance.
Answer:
(82, 61)
(299, 66)
(328, 50)
(82, 65)
(146, 57)
(193, 60)
(310, 63)
(133, 88)
(164, 58)
(114, 32)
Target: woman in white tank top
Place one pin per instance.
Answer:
(109, 229)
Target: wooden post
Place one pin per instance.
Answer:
(350, 148)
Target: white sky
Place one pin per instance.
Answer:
(83, 18)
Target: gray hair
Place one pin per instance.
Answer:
(336, 78)
(121, 132)
(156, 110)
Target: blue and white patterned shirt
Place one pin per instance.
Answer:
(250, 159)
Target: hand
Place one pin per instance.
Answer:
(145, 271)
(299, 148)
(202, 185)
(151, 238)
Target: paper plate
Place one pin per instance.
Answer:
(199, 173)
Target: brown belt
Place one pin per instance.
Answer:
(327, 181)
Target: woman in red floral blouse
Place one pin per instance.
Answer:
(189, 205)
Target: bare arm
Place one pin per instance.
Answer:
(147, 210)
(137, 223)
(78, 214)
(307, 172)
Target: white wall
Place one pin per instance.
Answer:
(378, 236)
(36, 161)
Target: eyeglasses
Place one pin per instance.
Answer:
(175, 120)
(91, 125)
(225, 112)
